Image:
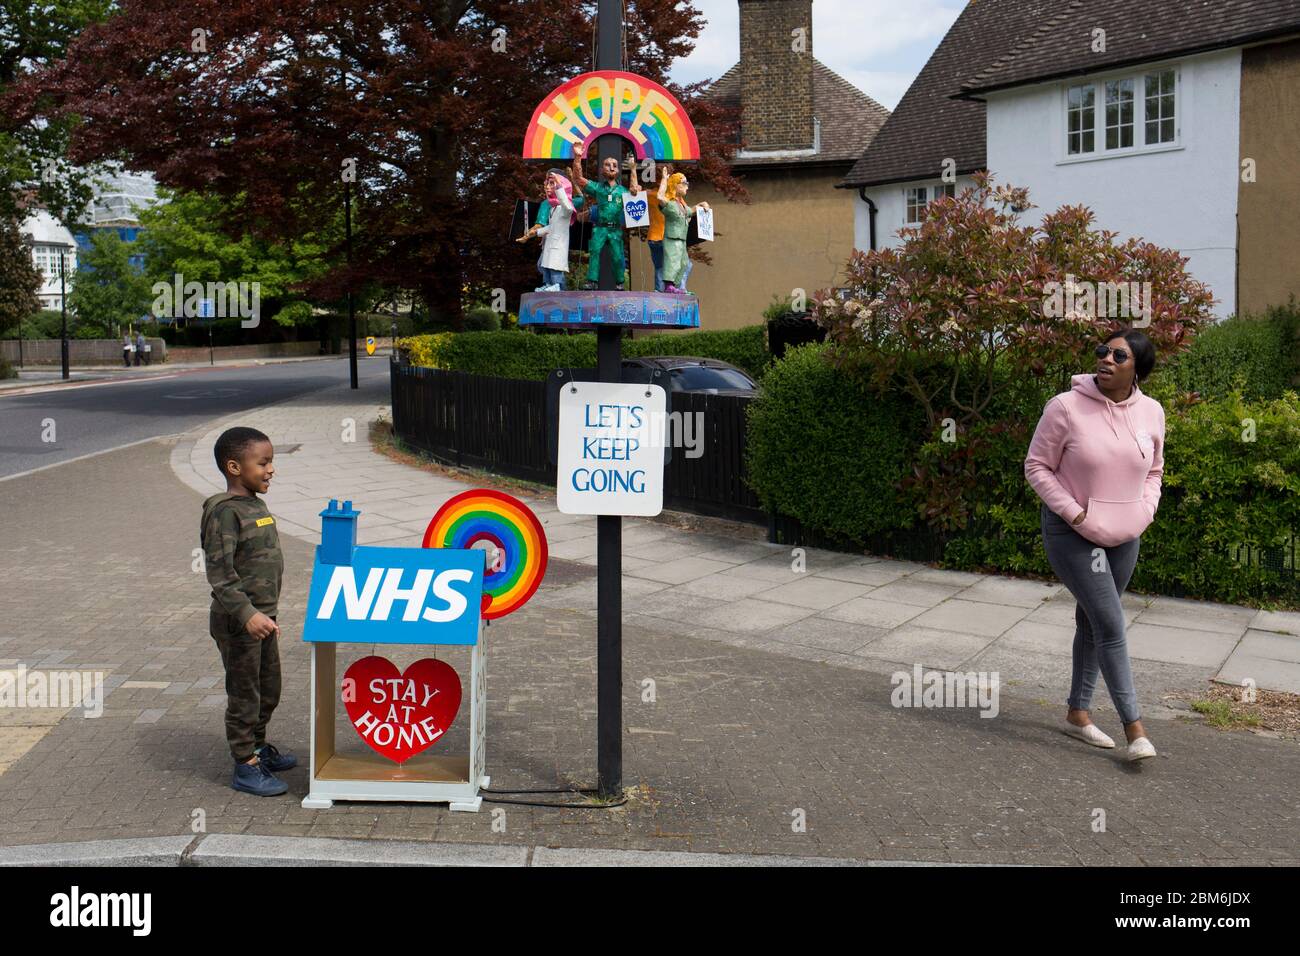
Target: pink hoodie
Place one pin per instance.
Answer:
(1106, 457)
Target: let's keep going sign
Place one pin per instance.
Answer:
(611, 449)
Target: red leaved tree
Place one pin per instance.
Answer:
(980, 317)
(270, 103)
(974, 301)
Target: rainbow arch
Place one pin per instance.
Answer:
(504, 521)
(611, 101)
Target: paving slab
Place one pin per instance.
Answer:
(814, 593)
(1270, 659)
(873, 612)
(971, 617)
(1208, 649)
(1285, 621)
(751, 616)
(924, 594)
(1198, 615)
(1012, 591)
(926, 646)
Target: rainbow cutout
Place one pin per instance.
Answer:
(642, 112)
(508, 524)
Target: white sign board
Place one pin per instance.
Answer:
(636, 210)
(704, 223)
(611, 449)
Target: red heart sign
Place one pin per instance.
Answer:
(401, 715)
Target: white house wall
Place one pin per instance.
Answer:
(891, 206)
(1184, 198)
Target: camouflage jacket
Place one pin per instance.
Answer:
(242, 549)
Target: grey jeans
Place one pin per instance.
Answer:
(1096, 576)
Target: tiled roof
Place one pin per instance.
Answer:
(929, 126)
(1136, 32)
(996, 44)
(849, 118)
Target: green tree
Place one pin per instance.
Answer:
(198, 238)
(19, 278)
(33, 153)
(107, 291)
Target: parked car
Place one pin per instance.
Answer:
(685, 373)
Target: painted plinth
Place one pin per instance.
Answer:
(588, 309)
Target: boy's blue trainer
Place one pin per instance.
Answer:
(273, 760)
(254, 778)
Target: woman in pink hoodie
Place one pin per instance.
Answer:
(1096, 462)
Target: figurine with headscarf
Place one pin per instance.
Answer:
(553, 221)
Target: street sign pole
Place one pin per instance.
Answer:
(63, 307)
(352, 314)
(609, 528)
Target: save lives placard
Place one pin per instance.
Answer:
(611, 449)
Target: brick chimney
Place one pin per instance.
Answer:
(775, 78)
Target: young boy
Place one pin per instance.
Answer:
(245, 566)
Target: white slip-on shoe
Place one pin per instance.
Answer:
(1140, 749)
(1089, 735)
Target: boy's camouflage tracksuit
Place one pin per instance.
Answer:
(245, 565)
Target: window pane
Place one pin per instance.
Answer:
(1081, 118)
(1167, 131)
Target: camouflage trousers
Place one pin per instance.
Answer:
(252, 683)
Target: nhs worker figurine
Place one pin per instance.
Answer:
(677, 220)
(605, 202)
(553, 222)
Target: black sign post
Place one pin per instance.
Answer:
(609, 528)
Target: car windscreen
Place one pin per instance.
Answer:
(697, 377)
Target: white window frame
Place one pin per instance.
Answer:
(932, 192)
(1140, 145)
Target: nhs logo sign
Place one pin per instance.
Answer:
(396, 596)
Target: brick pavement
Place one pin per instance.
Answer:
(95, 573)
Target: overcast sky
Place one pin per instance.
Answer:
(877, 45)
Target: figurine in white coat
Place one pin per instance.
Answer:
(554, 228)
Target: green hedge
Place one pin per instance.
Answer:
(825, 452)
(839, 460)
(519, 354)
(1256, 355)
(1232, 480)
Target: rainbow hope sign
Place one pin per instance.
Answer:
(611, 101)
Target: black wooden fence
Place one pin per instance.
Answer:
(499, 425)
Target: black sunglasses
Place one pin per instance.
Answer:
(1121, 355)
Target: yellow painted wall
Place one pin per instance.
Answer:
(1268, 210)
(796, 232)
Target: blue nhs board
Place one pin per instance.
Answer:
(397, 596)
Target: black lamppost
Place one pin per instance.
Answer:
(63, 305)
